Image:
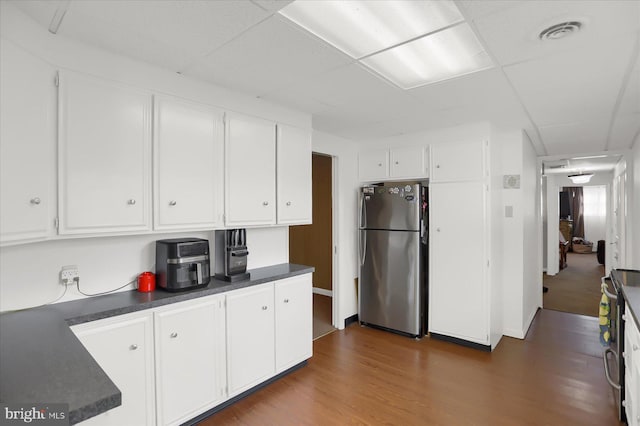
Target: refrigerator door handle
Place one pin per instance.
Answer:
(363, 212)
(363, 246)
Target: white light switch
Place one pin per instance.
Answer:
(508, 211)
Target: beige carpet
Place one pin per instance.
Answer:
(321, 316)
(575, 289)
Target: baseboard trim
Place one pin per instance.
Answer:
(323, 291)
(512, 332)
(350, 320)
(194, 421)
(473, 345)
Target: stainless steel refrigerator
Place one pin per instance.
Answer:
(393, 235)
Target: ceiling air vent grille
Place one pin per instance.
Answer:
(558, 31)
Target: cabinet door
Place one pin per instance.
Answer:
(250, 337)
(189, 359)
(250, 186)
(294, 175)
(373, 165)
(188, 165)
(124, 350)
(458, 296)
(294, 321)
(27, 145)
(407, 162)
(457, 161)
(104, 156)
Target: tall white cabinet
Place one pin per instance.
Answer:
(250, 167)
(293, 175)
(104, 156)
(27, 145)
(188, 165)
(459, 243)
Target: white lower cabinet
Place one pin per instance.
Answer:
(190, 367)
(250, 337)
(178, 361)
(293, 321)
(123, 347)
(631, 357)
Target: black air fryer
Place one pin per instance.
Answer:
(182, 264)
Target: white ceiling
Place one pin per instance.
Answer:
(575, 95)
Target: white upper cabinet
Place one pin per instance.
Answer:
(373, 165)
(104, 157)
(294, 175)
(460, 161)
(407, 162)
(27, 145)
(188, 165)
(250, 168)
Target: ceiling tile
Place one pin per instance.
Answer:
(511, 34)
(581, 85)
(579, 137)
(270, 56)
(473, 9)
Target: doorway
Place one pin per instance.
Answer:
(313, 244)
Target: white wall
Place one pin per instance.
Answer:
(634, 184)
(345, 263)
(29, 273)
(465, 132)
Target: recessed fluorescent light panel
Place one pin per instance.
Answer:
(411, 43)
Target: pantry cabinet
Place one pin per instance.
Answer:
(27, 146)
(293, 175)
(104, 156)
(190, 358)
(293, 321)
(250, 337)
(250, 168)
(123, 347)
(458, 161)
(188, 165)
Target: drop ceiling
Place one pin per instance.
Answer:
(575, 95)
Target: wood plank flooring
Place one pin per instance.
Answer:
(321, 316)
(365, 376)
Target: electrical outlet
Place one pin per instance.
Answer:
(69, 274)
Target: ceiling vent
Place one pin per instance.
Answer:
(559, 31)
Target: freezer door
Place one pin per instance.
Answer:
(390, 207)
(389, 285)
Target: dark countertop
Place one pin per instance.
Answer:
(42, 361)
(630, 283)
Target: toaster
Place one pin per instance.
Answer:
(182, 264)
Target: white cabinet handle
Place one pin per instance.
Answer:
(133, 347)
(264, 308)
(172, 203)
(286, 300)
(265, 203)
(624, 317)
(288, 203)
(131, 202)
(174, 335)
(35, 201)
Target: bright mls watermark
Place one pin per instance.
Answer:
(34, 414)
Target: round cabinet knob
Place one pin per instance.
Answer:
(133, 347)
(438, 229)
(397, 163)
(437, 166)
(264, 308)
(131, 201)
(635, 347)
(172, 203)
(379, 164)
(35, 201)
(288, 203)
(286, 300)
(174, 335)
(265, 203)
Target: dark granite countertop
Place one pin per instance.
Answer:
(630, 284)
(42, 361)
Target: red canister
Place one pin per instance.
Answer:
(146, 282)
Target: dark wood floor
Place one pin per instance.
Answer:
(366, 376)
